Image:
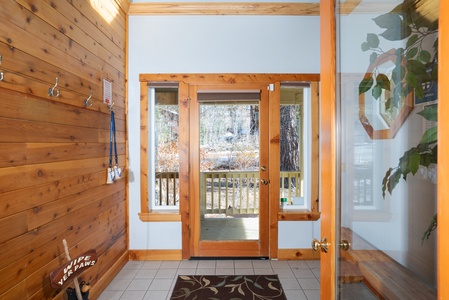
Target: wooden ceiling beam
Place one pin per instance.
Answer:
(224, 8)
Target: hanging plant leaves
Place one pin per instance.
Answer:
(411, 53)
(424, 56)
(416, 67)
(372, 40)
(366, 84)
(388, 103)
(409, 162)
(411, 40)
(430, 229)
(365, 46)
(399, 54)
(393, 180)
(412, 81)
(383, 81)
(430, 112)
(373, 57)
(434, 73)
(385, 181)
(398, 73)
(413, 162)
(430, 136)
(388, 21)
(426, 159)
(394, 34)
(377, 91)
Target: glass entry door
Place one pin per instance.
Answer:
(231, 169)
(386, 105)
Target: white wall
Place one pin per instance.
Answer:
(211, 44)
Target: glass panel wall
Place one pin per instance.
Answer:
(386, 99)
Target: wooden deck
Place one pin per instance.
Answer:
(230, 229)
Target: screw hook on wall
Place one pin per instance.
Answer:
(51, 91)
(2, 75)
(88, 101)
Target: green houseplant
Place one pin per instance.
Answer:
(415, 65)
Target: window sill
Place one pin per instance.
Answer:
(160, 216)
(298, 215)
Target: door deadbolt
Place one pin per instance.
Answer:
(264, 181)
(263, 168)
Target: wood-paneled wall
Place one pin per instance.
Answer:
(54, 151)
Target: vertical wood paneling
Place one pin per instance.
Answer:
(54, 151)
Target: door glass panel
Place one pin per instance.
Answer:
(229, 166)
(386, 102)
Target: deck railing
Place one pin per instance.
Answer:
(167, 189)
(230, 193)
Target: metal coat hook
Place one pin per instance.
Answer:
(51, 91)
(2, 75)
(110, 107)
(88, 101)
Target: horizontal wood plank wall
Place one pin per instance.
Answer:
(54, 151)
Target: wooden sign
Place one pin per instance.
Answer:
(72, 268)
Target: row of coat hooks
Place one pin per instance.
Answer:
(53, 92)
(87, 102)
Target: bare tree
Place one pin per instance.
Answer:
(289, 155)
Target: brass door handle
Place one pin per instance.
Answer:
(264, 181)
(344, 245)
(323, 244)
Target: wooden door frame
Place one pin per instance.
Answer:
(328, 150)
(443, 155)
(226, 248)
(187, 193)
(328, 146)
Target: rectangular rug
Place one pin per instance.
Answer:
(221, 287)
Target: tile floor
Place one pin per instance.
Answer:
(154, 280)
